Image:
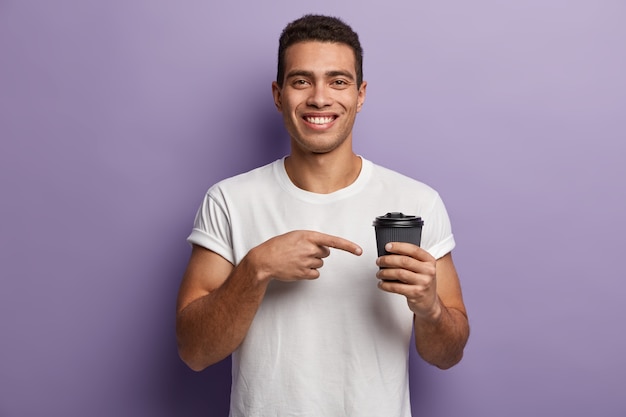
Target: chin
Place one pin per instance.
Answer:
(319, 147)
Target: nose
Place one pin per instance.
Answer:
(320, 96)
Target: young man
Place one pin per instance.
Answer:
(284, 266)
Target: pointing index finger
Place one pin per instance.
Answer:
(337, 242)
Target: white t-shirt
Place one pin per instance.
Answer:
(334, 346)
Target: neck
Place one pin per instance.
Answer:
(322, 173)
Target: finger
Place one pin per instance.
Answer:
(398, 263)
(409, 249)
(391, 286)
(311, 273)
(402, 275)
(322, 251)
(336, 242)
(316, 263)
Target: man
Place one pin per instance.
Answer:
(284, 265)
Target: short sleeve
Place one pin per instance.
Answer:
(212, 226)
(437, 237)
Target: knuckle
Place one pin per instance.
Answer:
(383, 274)
(415, 251)
(406, 262)
(405, 275)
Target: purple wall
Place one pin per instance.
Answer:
(115, 116)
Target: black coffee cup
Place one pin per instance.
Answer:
(397, 227)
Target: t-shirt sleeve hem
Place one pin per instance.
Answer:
(201, 238)
(442, 248)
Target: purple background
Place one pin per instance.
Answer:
(116, 116)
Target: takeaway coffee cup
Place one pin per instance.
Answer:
(397, 227)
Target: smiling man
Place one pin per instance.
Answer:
(284, 273)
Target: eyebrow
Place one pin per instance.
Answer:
(309, 74)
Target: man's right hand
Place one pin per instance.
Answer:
(297, 255)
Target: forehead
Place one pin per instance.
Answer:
(322, 56)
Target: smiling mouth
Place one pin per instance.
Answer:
(319, 120)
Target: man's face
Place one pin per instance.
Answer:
(319, 98)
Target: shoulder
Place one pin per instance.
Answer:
(394, 180)
(250, 180)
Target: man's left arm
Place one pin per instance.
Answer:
(433, 292)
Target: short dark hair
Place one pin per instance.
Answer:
(323, 29)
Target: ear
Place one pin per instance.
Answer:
(276, 92)
(361, 96)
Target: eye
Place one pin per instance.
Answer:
(300, 83)
(340, 84)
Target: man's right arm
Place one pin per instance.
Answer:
(218, 301)
(216, 304)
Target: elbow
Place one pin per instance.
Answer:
(189, 353)
(450, 362)
(197, 351)
(191, 359)
(197, 356)
(194, 366)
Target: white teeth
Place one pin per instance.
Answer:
(319, 120)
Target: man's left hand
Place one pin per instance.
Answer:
(411, 271)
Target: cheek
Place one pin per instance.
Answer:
(286, 106)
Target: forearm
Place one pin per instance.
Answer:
(440, 341)
(212, 327)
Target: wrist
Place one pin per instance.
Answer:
(433, 316)
(255, 267)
